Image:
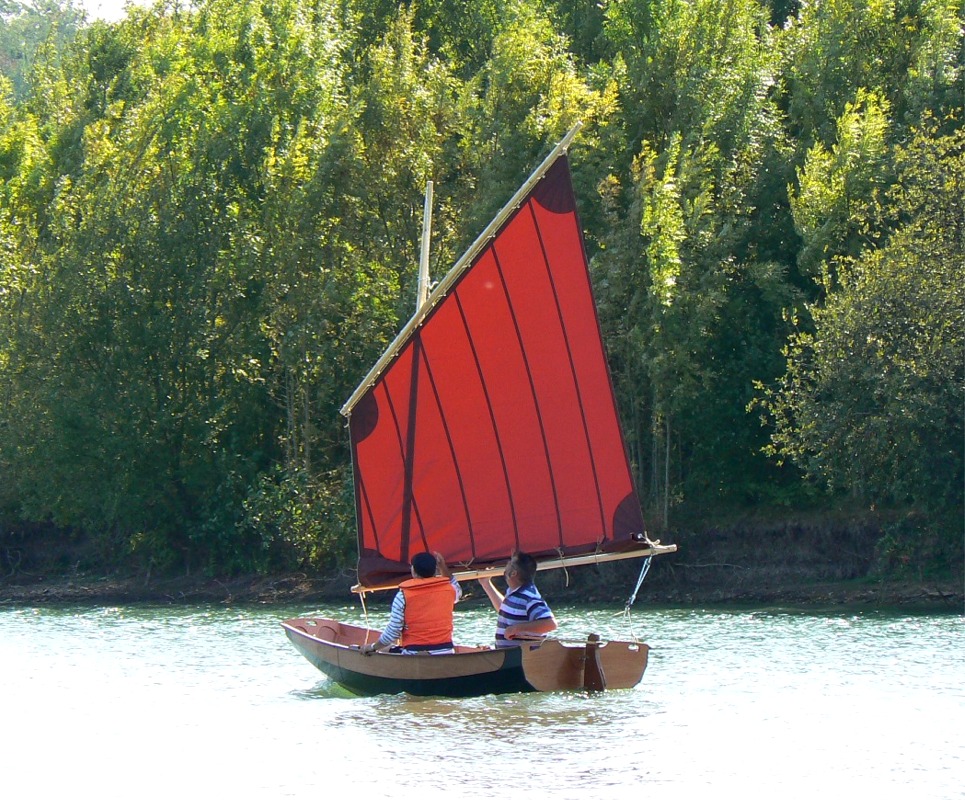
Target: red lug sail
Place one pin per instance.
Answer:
(494, 427)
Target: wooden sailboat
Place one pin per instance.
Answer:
(490, 425)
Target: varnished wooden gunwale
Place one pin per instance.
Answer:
(470, 672)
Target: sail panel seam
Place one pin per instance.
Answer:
(573, 373)
(406, 524)
(532, 388)
(452, 448)
(492, 418)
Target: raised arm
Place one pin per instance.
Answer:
(494, 596)
(443, 569)
(441, 566)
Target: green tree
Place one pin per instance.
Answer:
(836, 187)
(31, 31)
(872, 399)
(693, 286)
(907, 52)
(152, 363)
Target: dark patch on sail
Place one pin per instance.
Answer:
(380, 571)
(554, 192)
(365, 417)
(627, 518)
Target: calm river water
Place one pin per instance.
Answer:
(212, 702)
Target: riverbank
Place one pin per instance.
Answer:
(815, 562)
(304, 590)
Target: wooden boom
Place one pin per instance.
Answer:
(652, 549)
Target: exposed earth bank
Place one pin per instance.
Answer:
(302, 590)
(804, 564)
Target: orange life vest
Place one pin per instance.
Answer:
(428, 611)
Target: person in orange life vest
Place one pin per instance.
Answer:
(421, 616)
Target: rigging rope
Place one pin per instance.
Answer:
(644, 569)
(365, 614)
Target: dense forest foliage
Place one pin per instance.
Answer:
(210, 216)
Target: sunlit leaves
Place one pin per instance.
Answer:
(662, 223)
(872, 399)
(210, 217)
(908, 52)
(836, 186)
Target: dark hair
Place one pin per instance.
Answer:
(424, 565)
(526, 566)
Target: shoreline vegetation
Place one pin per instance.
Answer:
(804, 562)
(210, 226)
(918, 595)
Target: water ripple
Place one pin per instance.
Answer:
(762, 703)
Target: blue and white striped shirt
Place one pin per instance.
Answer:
(522, 604)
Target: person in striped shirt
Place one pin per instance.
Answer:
(522, 612)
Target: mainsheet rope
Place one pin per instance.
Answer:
(365, 614)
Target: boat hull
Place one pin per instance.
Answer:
(333, 648)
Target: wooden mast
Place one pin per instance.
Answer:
(423, 291)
